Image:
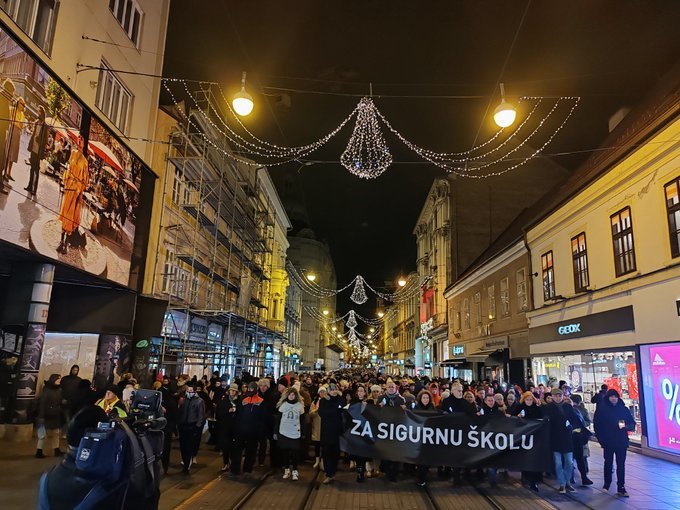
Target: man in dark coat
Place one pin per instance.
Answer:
(612, 422)
(49, 416)
(248, 428)
(563, 420)
(391, 398)
(330, 412)
(69, 388)
(455, 403)
(190, 421)
(599, 396)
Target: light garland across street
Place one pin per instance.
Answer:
(367, 154)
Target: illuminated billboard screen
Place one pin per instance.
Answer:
(660, 367)
(69, 190)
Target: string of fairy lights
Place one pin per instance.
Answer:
(411, 288)
(358, 343)
(367, 154)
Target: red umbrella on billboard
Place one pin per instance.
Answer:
(131, 184)
(102, 151)
(61, 130)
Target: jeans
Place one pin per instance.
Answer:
(620, 452)
(564, 466)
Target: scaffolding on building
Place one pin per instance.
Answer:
(217, 238)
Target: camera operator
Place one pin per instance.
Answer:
(110, 463)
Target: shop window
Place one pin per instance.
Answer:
(672, 190)
(466, 313)
(478, 307)
(548, 275)
(505, 297)
(129, 15)
(522, 300)
(580, 260)
(622, 236)
(36, 18)
(113, 98)
(491, 293)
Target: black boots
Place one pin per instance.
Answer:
(360, 475)
(39, 454)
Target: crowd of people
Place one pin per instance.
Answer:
(299, 418)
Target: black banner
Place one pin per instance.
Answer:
(454, 440)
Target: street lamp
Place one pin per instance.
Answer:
(325, 311)
(504, 114)
(311, 277)
(334, 329)
(381, 314)
(401, 281)
(242, 101)
(372, 330)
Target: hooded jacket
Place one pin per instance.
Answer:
(607, 418)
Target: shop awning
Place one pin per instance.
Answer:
(453, 362)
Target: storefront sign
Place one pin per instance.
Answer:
(458, 350)
(569, 328)
(661, 386)
(455, 440)
(491, 344)
(612, 321)
(198, 329)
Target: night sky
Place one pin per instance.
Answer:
(608, 52)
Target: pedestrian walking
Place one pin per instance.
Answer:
(529, 409)
(225, 413)
(49, 416)
(36, 148)
(249, 421)
(330, 411)
(391, 398)
(424, 404)
(612, 422)
(190, 420)
(563, 420)
(289, 431)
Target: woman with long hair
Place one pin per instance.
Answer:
(289, 431)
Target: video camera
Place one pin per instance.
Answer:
(146, 411)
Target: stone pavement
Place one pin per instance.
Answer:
(653, 484)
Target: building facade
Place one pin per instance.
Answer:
(75, 258)
(218, 260)
(311, 257)
(488, 329)
(606, 271)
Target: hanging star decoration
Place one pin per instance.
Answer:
(367, 154)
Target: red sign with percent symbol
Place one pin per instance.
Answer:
(665, 368)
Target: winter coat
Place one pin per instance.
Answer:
(606, 421)
(330, 411)
(532, 412)
(250, 418)
(315, 421)
(563, 420)
(49, 407)
(453, 404)
(395, 400)
(191, 411)
(69, 386)
(226, 419)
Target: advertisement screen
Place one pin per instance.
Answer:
(69, 190)
(660, 365)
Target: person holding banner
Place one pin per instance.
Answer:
(330, 410)
(360, 397)
(424, 405)
(530, 409)
(391, 398)
(563, 420)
